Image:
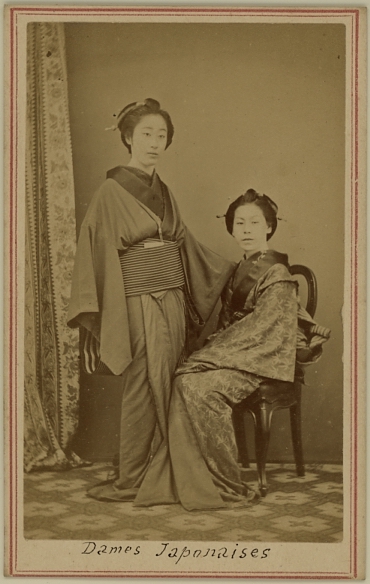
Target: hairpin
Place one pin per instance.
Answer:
(123, 113)
(224, 215)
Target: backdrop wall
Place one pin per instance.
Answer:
(253, 105)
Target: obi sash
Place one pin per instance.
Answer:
(151, 266)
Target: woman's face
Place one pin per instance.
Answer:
(250, 229)
(147, 142)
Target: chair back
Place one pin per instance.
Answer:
(307, 273)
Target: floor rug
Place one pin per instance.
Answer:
(296, 509)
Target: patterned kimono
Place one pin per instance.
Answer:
(257, 339)
(133, 313)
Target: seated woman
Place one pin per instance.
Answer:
(260, 327)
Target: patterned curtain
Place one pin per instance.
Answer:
(51, 349)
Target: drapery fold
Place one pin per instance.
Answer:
(51, 348)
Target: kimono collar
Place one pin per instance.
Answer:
(148, 179)
(149, 190)
(249, 271)
(130, 181)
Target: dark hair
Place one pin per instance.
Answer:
(130, 116)
(267, 206)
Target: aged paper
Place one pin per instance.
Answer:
(270, 98)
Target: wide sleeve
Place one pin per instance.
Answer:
(98, 301)
(310, 338)
(263, 342)
(84, 304)
(205, 271)
(226, 312)
(206, 274)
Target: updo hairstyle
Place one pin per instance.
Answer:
(267, 206)
(130, 116)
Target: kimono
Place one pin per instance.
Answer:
(262, 329)
(140, 336)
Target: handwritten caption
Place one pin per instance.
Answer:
(179, 553)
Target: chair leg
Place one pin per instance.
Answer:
(296, 427)
(262, 443)
(240, 437)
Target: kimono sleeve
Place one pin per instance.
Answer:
(205, 271)
(263, 342)
(84, 305)
(206, 274)
(310, 338)
(98, 301)
(226, 312)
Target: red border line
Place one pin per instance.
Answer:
(355, 295)
(245, 575)
(175, 14)
(13, 253)
(185, 11)
(354, 298)
(16, 301)
(11, 393)
(351, 301)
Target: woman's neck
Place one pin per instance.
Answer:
(248, 254)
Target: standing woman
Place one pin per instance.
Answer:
(139, 279)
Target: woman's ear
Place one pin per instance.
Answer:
(128, 138)
(269, 229)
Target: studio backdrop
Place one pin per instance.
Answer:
(254, 106)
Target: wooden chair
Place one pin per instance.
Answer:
(271, 396)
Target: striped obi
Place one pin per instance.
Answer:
(151, 266)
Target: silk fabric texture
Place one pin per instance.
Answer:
(196, 463)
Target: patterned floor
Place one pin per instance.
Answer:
(299, 509)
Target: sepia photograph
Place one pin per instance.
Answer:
(185, 292)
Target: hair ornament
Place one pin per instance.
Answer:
(224, 215)
(127, 109)
(119, 117)
(264, 197)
